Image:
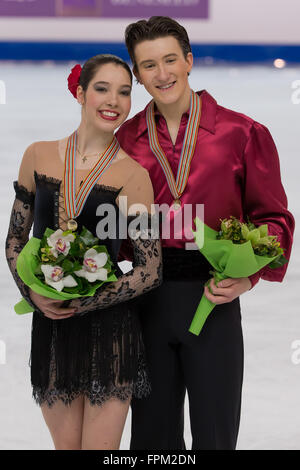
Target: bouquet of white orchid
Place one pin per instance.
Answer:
(63, 265)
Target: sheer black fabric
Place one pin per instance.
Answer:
(146, 275)
(100, 356)
(18, 234)
(99, 352)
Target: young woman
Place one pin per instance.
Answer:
(87, 358)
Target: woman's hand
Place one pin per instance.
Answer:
(51, 307)
(227, 290)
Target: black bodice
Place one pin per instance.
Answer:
(46, 211)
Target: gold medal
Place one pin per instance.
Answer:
(72, 225)
(177, 204)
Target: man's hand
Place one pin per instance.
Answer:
(51, 307)
(227, 290)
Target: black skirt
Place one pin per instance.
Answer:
(99, 355)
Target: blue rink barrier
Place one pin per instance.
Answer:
(80, 51)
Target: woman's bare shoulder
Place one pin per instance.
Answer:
(131, 163)
(42, 147)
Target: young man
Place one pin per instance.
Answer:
(229, 163)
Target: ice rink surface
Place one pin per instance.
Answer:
(39, 107)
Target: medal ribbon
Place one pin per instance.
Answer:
(74, 202)
(189, 143)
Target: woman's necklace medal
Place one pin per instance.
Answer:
(74, 203)
(72, 225)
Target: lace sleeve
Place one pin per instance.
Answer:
(145, 275)
(18, 232)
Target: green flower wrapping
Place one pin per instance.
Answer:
(43, 261)
(238, 250)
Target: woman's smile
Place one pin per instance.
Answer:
(108, 115)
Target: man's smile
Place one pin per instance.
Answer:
(167, 86)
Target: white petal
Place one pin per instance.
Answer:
(47, 270)
(91, 253)
(59, 285)
(69, 238)
(50, 242)
(80, 273)
(66, 251)
(102, 274)
(54, 252)
(91, 277)
(101, 259)
(69, 281)
(58, 233)
(54, 237)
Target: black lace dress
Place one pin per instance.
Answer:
(99, 352)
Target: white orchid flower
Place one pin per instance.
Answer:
(59, 243)
(92, 268)
(54, 277)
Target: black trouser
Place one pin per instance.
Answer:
(208, 366)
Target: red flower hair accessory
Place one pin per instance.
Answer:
(73, 79)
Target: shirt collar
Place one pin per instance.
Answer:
(208, 114)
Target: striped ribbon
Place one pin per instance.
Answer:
(189, 143)
(74, 202)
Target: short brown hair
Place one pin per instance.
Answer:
(155, 27)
